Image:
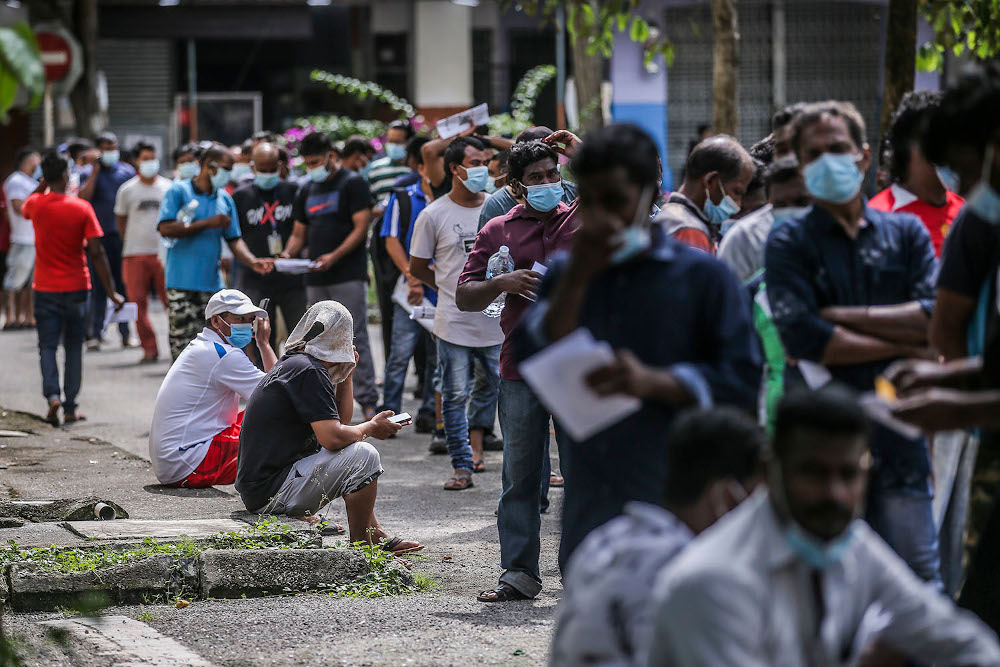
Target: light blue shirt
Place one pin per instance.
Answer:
(193, 261)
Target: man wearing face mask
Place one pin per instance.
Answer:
(242, 172)
(716, 177)
(107, 174)
(195, 217)
(137, 208)
(21, 257)
(533, 232)
(444, 233)
(264, 206)
(186, 161)
(606, 612)
(333, 213)
(383, 172)
(793, 576)
(195, 434)
(676, 347)
(851, 288)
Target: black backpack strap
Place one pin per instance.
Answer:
(405, 210)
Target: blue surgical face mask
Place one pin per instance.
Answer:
(834, 177)
(984, 200)
(725, 209)
(266, 181)
(319, 174)
(395, 152)
(110, 158)
(545, 197)
(491, 186)
(948, 177)
(816, 553)
(476, 180)
(221, 178)
(786, 213)
(149, 168)
(635, 238)
(37, 173)
(187, 170)
(240, 335)
(240, 170)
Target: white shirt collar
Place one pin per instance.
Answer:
(901, 197)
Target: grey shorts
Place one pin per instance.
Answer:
(316, 480)
(20, 266)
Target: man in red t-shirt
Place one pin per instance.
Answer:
(64, 226)
(916, 186)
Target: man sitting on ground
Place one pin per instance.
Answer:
(194, 439)
(606, 614)
(297, 452)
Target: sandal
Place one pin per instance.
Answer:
(478, 466)
(502, 593)
(392, 546)
(556, 481)
(73, 418)
(460, 481)
(328, 528)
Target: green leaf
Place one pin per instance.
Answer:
(622, 22)
(587, 18)
(8, 91)
(639, 31)
(20, 58)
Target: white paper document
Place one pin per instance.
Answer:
(128, 313)
(423, 313)
(557, 376)
(540, 268)
(815, 375)
(462, 121)
(293, 266)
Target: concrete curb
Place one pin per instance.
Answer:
(223, 573)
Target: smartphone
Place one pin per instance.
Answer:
(264, 303)
(403, 419)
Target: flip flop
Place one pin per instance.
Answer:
(460, 481)
(391, 544)
(556, 481)
(502, 593)
(478, 466)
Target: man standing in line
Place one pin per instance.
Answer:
(64, 225)
(137, 208)
(383, 172)
(21, 256)
(445, 233)
(265, 207)
(333, 212)
(107, 174)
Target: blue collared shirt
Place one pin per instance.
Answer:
(675, 308)
(109, 179)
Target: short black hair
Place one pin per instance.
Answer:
(813, 113)
(246, 147)
(786, 115)
(315, 143)
(413, 148)
(703, 127)
(213, 151)
(781, 171)
(76, 145)
(831, 410)
(763, 150)
(756, 183)
(704, 446)
(141, 146)
(284, 155)
(403, 125)
(721, 153)
(455, 152)
(23, 154)
(263, 135)
(619, 145)
(502, 158)
(967, 114)
(190, 147)
(54, 166)
(106, 137)
(522, 155)
(354, 145)
(907, 127)
(533, 134)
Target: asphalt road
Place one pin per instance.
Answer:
(106, 455)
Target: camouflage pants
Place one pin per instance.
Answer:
(985, 485)
(186, 317)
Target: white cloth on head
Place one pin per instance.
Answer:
(326, 332)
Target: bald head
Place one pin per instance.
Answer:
(720, 153)
(265, 157)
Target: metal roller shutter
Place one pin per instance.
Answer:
(140, 80)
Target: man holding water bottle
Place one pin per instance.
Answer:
(195, 215)
(532, 232)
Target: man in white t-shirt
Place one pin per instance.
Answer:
(137, 209)
(444, 233)
(21, 257)
(195, 436)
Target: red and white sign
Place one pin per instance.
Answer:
(61, 56)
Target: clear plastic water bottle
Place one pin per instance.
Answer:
(185, 216)
(499, 264)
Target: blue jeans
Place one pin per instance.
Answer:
(61, 317)
(407, 334)
(524, 422)
(454, 362)
(904, 518)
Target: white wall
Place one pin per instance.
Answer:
(391, 16)
(443, 54)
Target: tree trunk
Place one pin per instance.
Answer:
(725, 116)
(83, 97)
(900, 56)
(588, 73)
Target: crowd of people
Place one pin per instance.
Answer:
(803, 356)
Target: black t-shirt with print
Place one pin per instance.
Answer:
(261, 213)
(277, 429)
(327, 209)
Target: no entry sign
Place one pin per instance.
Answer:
(61, 56)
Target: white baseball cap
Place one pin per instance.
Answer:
(232, 301)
